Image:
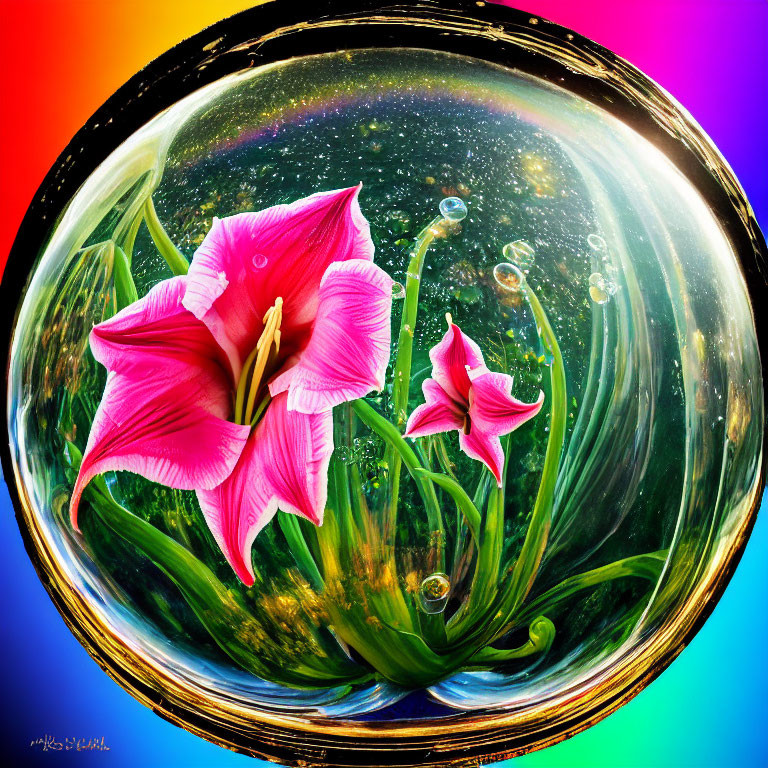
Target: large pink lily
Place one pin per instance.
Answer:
(223, 381)
(464, 395)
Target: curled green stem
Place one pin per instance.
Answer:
(541, 635)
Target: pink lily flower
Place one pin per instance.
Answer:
(223, 381)
(464, 395)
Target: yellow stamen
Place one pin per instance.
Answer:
(263, 358)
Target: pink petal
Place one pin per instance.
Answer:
(439, 414)
(492, 408)
(284, 466)
(450, 358)
(160, 433)
(156, 334)
(348, 351)
(248, 260)
(484, 447)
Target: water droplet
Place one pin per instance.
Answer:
(453, 208)
(433, 593)
(509, 277)
(519, 252)
(596, 242)
(259, 261)
(398, 291)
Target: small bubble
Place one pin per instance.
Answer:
(596, 242)
(600, 288)
(509, 277)
(596, 279)
(433, 593)
(598, 295)
(453, 208)
(259, 261)
(398, 291)
(519, 252)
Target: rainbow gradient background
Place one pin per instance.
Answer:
(59, 61)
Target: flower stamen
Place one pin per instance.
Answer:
(263, 358)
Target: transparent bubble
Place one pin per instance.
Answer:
(596, 242)
(453, 208)
(259, 261)
(398, 291)
(601, 288)
(509, 277)
(433, 593)
(519, 252)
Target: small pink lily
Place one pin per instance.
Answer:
(223, 381)
(464, 395)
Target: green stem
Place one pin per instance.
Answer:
(485, 580)
(337, 475)
(460, 496)
(125, 288)
(389, 433)
(647, 566)
(490, 608)
(130, 237)
(172, 255)
(538, 529)
(289, 525)
(402, 369)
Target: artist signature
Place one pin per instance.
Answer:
(50, 744)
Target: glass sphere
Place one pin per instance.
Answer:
(632, 320)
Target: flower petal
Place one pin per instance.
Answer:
(248, 260)
(284, 466)
(439, 414)
(348, 351)
(157, 434)
(158, 335)
(484, 447)
(492, 408)
(450, 359)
